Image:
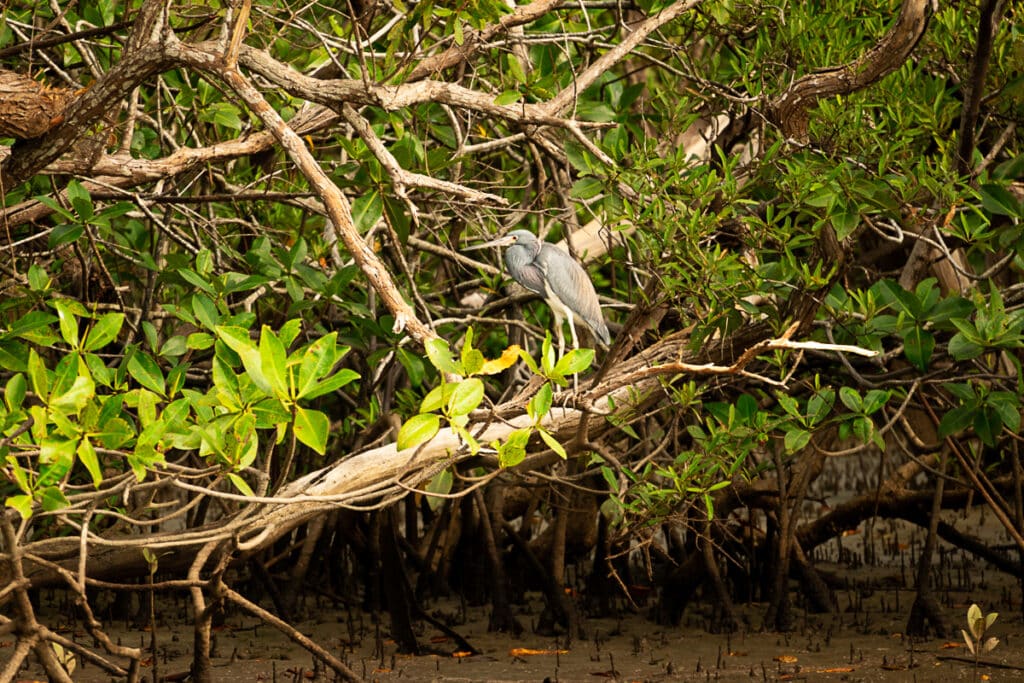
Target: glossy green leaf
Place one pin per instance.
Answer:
(103, 331)
(74, 399)
(440, 356)
(317, 360)
(87, 456)
(38, 376)
(540, 404)
(574, 362)
(312, 428)
(552, 443)
(467, 397)
(796, 440)
(14, 392)
(22, 503)
(241, 484)
(418, 429)
(918, 345)
(237, 339)
(272, 361)
(336, 381)
(146, 372)
(68, 323)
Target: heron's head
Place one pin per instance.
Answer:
(521, 237)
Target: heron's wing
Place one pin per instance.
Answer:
(525, 271)
(568, 281)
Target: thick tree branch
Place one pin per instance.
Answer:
(790, 110)
(143, 56)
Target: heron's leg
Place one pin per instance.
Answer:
(572, 328)
(559, 332)
(575, 345)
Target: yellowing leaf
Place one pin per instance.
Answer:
(508, 358)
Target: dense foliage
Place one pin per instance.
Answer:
(234, 259)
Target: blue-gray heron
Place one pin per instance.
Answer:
(545, 269)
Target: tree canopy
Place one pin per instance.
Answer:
(235, 298)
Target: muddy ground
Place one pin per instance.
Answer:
(862, 641)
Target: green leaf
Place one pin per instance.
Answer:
(507, 97)
(87, 456)
(574, 362)
(540, 404)
(312, 428)
(988, 425)
(38, 280)
(14, 392)
(513, 450)
(961, 348)
(104, 331)
(237, 339)
(146, 372)
(472, 361)
(586, 188)
(22, 503)
(851, 399)
(440, 356)
(790, 405)
(33, 327)
(437, 397)
(52, 499)
(56, 456)
(552, 443)
(796, 440)
(205, 310)
(1007, 404)
(367, 210)
(918, 345)
(863, 429)
(196, 280)
(998, 200)
(874, 400)
(440, 484)
(467, 397)
(38, 376)
(80, 200)
(241, 484)
(530, 362)
(272, 360)
(75, 399)
(68, 323)
(199, 341)
(418, 429)
(333, 383)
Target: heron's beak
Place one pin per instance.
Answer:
(500, 242)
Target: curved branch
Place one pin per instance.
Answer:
(790, 111)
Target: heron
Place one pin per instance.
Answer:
(545, 269)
